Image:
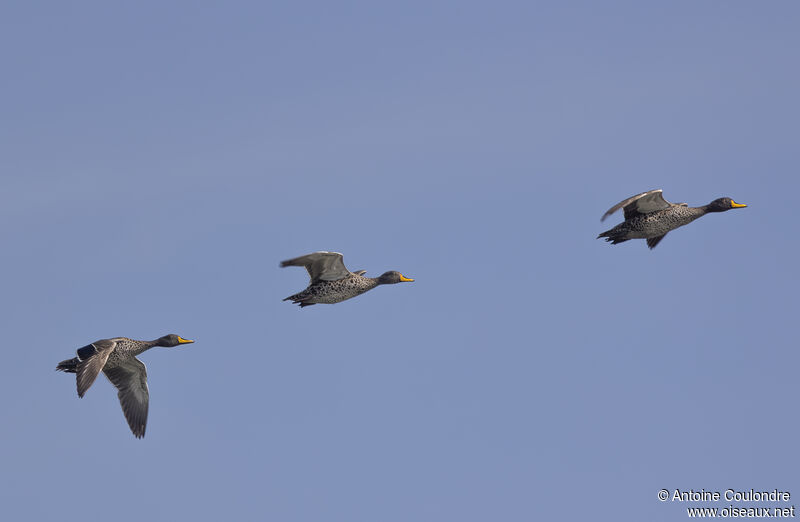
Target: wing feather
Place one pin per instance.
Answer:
(653, 241)
(321, 266)
(130, 378)
(90, 364)
(644, 203)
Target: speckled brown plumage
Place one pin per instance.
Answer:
(116, 358)
(649, 216)
(331, 282)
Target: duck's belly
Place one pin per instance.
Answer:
(114, 359)
(658, 224)
(329, 292)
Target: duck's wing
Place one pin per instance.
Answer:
(321, 266)
(644, 203)
(91, 359)
(653, 241)
(130, 378)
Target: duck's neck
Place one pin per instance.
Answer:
(144, 346)
(697, 212)
(371, 282)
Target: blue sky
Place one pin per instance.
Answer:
(159, 161)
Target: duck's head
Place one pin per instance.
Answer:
(392, 277)
(723, 204)
(168, 341)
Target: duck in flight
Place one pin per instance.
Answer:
(117, 359)
(649, 216)
(331, 282)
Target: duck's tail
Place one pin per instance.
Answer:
(69, 366)
(614, 236)
(299, 299)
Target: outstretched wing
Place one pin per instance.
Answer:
(91, 359)
(644, 203)
(321, 266)
(130, 378)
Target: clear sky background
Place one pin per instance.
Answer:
(159, 159)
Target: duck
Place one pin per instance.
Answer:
(116, 357)
(331, 282)
(649, 216)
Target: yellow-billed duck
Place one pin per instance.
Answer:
(117, 359)
(649, 216)
(331, 282)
